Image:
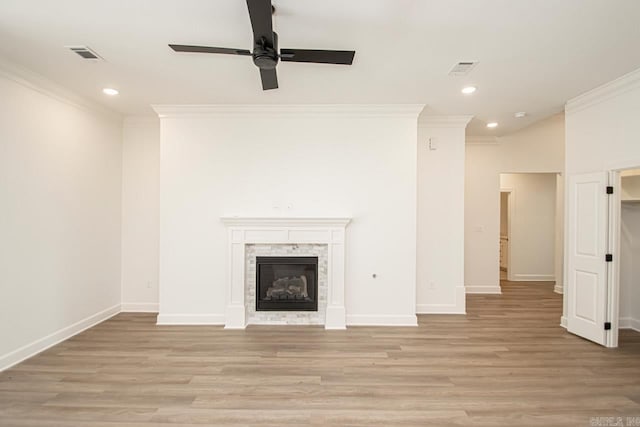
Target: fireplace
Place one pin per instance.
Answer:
(286, 283)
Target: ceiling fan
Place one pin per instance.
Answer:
(265, 47)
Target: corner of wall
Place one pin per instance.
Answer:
(40, 345)
(440, 227)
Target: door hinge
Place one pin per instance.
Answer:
(608, 257)
(609, 189)
(607, 326)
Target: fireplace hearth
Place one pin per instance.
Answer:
(286, 283)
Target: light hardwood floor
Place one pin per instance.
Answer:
(506, 363)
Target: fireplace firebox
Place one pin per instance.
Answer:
(286, 283)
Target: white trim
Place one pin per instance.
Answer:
(381, 320)
(614, 223)
(237, 221)
(533, 278)
(558, 289)
(563, 321)
(603, 93)
(428, 121)
(482, 140)
(458, 307)
(40, 84)
(483, 289)
(139, 307)
(313, 110)
(438, 309)
(629, 323)
(190, 319)
(39, 345)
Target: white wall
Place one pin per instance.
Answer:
(537, 148)
(440, 287)
(602, 130)
(140, 213)
(533, 225)
(60, 177)
(288, 161)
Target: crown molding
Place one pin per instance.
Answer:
(482, 140)
(603, 93)
(444, 121)
(40, 84)
(311, 110)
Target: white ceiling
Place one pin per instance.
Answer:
(534, 54)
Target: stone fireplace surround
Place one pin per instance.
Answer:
(243, 231)
(254, 317)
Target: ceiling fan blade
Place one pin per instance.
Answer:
(260, 15)
(208, 49)
(343, 57)
(269, 79)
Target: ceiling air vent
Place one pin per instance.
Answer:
(84, 52)
(463, 68)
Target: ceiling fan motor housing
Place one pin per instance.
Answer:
(264, 56)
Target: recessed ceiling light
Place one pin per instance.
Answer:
(468, 90)
(492, 125)
(110, 91)
(520, 114)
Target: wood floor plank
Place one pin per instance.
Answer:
(507, 362)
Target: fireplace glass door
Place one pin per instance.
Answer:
(286, 283)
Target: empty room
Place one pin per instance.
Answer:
(324, 213)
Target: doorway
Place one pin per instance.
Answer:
(531, 228)
(625, 235)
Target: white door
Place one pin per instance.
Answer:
(587, 268)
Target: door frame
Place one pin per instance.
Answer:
(615, 232)
(613, 269)
(510, 212)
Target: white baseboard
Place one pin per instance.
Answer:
(191, 319)
(30, 350)
(458, 307)
(381, 320)
(563, 322)
(558, 289)
(481, 289)
(140, 307)
(629, 323)
(533, 278)
(438, 309)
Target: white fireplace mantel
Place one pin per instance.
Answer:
(281, 230)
